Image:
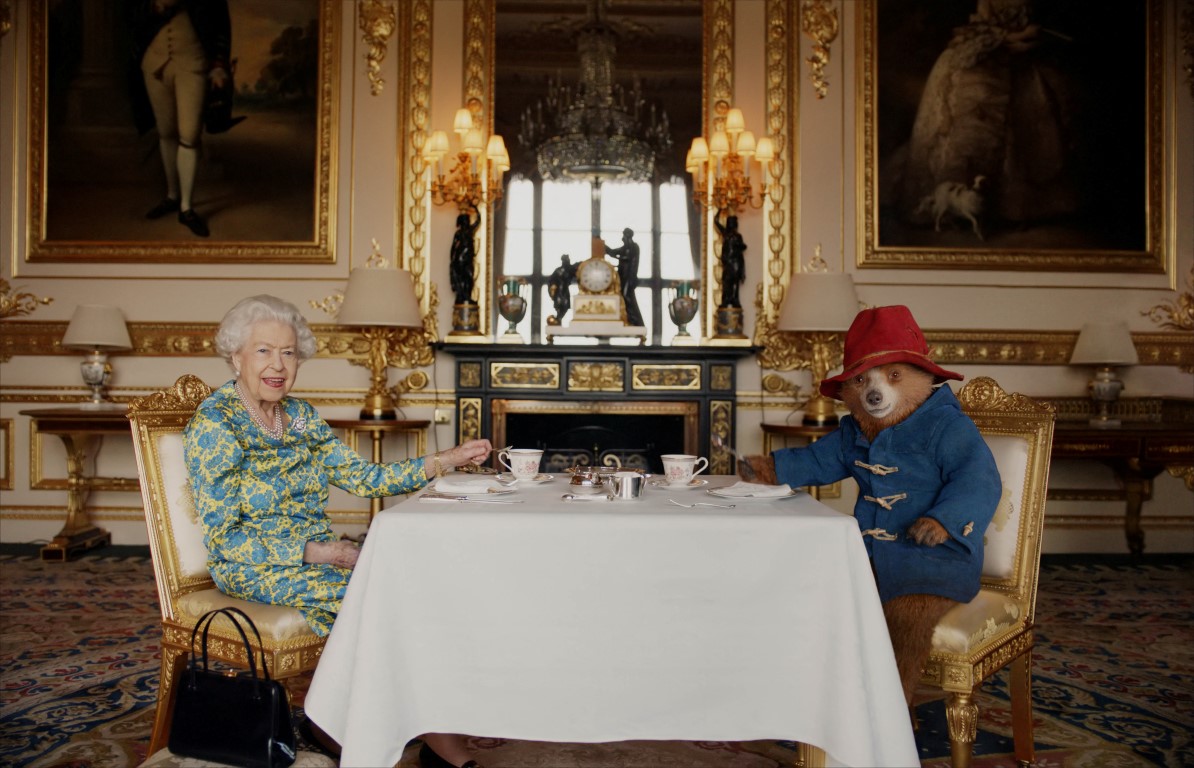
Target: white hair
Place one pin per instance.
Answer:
(234, 328)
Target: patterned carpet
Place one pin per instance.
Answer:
(1113, 679)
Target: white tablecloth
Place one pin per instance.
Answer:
(610, 621)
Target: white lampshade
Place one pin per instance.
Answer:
(1104, 342)
(97, 326)
(818, 301)
(380, 297)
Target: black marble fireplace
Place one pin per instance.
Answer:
(583, 405)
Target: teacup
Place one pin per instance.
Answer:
(523, 463)
(680, 468)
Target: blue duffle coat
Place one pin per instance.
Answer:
(934, 463)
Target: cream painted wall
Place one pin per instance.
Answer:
(369, 169)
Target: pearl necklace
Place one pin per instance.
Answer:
(275, 431)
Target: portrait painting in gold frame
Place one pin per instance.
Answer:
(1011, 135)
(138, 107)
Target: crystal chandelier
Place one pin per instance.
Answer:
(597, 130)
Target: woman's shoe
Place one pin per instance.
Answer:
(429, 759)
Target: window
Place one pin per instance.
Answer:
(540, 222)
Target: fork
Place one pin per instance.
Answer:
(700, 504)
(744, 468)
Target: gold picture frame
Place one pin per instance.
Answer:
(264, 187)
(1011, 142)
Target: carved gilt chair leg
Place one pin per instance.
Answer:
(1021, 692)
(962, 717)
(174, 660)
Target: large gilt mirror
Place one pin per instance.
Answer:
(638, 62)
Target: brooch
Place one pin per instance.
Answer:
(299, 424)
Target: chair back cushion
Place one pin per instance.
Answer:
(185, 532)
(175, 537)
(1001, 540)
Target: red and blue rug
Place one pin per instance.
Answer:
(1113, 676)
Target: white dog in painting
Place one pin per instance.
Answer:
(957, 199)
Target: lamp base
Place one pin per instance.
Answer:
(379, 408)
(820, 411)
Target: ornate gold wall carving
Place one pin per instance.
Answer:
(469, 375)
(782, 107)
(721, 424)
(1176, 315)
(377, 21)
(470, 419)
(959, 347)
(596, 377)
(818, 20)
(14, 302)
(524, 375)
(721, 378)
(416, 25)
(676, 377)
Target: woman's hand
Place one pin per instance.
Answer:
(472, 452)
(341, 553)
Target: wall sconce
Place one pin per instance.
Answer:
(1105, 345)
(720, 167)
(475, 179)
(101, 329)
(382, 303)
(820, 306)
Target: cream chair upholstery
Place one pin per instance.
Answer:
(185, 590)
(995, 629)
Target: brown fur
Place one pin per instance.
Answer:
(910, 618)
(914, 384)
(910, 622)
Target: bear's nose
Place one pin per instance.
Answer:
(874, 397)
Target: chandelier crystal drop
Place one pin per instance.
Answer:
(596, 131)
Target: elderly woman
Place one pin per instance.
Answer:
(260, 463)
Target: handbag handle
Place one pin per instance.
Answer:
(205, 622)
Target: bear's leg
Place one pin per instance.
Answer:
(910, 622)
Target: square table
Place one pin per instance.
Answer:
(600, 621)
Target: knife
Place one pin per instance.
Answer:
(449, 497)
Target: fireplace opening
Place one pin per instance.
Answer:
(633, 435)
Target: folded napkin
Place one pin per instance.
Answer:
(755, 490)
(466, 484)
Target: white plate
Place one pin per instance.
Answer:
(506, 477)
(717, 492)
(699, 482)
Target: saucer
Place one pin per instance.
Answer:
(698, 482)
(506, 477)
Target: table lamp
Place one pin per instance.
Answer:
(820, 306)
(1104, 344)
(101, 329)
(382, 302)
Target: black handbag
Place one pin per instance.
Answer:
(240, 719)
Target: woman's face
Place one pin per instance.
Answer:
(267, 362)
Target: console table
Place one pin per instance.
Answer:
(79, 429)
(1137, 452)
(377, 429)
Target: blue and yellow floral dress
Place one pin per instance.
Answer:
(260, 501)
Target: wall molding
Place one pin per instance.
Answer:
(953, 346)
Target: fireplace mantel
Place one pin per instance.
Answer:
(496, 380)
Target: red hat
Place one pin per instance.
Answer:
(884, 335)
